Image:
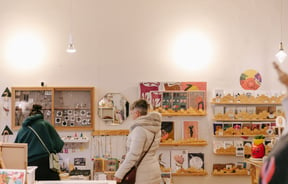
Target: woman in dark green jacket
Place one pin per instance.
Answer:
(37, 154)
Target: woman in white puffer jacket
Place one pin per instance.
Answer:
(142, 131)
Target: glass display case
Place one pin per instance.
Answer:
(66, 108)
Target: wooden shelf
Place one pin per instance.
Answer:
(230, 174)
(190, 174)
(184, 144)
(109, 132)
(232, 154)
(183, 114)
(244, 120)
(244, 103)
(227, 136)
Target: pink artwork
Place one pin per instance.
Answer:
(190, 129)
(146, 87)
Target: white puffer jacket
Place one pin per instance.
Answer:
(139, 139)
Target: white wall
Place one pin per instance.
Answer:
(121, 43)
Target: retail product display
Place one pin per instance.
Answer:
(66, 108)
(238, 117)
(230, 169)
(176, 99)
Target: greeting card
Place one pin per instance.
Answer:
(167, 130)
(179, 160)
(190, 129)
(196, 160)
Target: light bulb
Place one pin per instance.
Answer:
(70, 48)
(281, 55)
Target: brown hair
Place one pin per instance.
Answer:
(141, 105)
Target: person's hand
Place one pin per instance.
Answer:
(118, 180)
(283, 76)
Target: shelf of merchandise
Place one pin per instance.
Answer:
(184, 144)
(109, 132)
(230, 174)
(190, 174)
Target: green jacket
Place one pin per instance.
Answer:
(47, 133)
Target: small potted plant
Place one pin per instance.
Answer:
(258, 147)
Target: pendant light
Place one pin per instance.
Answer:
(281, 55)
(71, 47)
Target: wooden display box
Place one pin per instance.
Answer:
(66, 108)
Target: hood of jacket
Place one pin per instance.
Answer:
(151, 122)
(29, 120)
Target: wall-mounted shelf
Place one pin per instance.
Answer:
(184, 144)
(109, 132)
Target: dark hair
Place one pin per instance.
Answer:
(36, 109)
(141, 105)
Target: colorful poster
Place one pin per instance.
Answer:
(250, 80)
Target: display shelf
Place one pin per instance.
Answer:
(179, 103)
(245, 103)
(182, 113)
(240, 117)
(184, 144)
(190, 174)
(66, 108)
(230, 174)
(244, 120)
(109, 132)
(240, 136)
(231, 153)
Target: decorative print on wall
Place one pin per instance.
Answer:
(146, 87)
(175, 98)
(167, 130)
(190, 129)
(250, 80)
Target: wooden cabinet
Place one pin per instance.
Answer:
(66, 108)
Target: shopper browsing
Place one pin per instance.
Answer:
(37, 154)
(144, 132)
